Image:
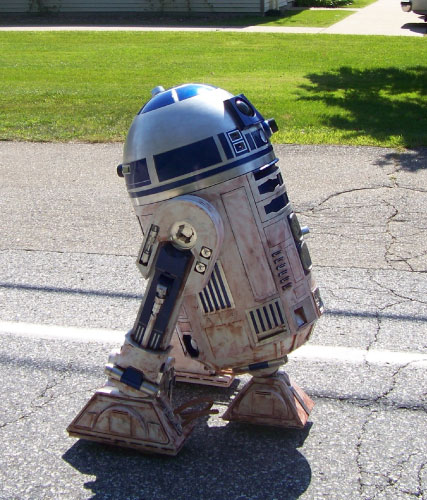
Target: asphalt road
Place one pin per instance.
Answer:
(69, 289)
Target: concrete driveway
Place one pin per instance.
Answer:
(384, 17)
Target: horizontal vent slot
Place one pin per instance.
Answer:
(277, 204)
(270, 185)
(264, 172)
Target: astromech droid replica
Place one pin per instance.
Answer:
(230, 288)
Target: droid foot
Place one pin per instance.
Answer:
(147, 424)
(273, 400)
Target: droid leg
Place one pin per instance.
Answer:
(190, 370)
(134, 409)
(271, 398)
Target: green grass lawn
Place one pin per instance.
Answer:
(296, 18)
(87, 86)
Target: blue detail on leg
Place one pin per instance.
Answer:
(132, 377)
(258, 366)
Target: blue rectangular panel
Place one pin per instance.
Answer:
(138, 175)
(250, 141)
(226, 146)
(187, 159)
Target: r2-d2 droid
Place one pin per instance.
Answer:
(230, 288)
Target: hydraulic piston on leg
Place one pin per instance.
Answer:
(134, 408)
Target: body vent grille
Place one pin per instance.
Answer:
(216, 295)
(268, 320)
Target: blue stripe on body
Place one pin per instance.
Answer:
(187, 159)
(250, 141)
(138, 175)
(201, 175)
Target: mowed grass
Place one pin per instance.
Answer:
(322, 89)
(297, 18)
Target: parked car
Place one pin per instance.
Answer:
(416, 6)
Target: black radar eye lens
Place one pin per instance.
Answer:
(244, 107)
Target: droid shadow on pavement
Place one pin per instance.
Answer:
(236, 461)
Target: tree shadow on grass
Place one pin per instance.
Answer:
(380, 103)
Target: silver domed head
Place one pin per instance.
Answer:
(191, 137)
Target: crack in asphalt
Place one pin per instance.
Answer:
(390, 258)
(36, 404)
(402, 300)
(132, 256)
(420, 478)
(392, 475)
(393, 291)
(359, 464)
(346, 191)
(363, 402)
(392, 237)
(381, 399)
(392, 482)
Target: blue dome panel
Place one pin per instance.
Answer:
(174, 95)
(187, 91)
(159, 101)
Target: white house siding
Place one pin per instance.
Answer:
(275, 4)
(14, 5)
(236, 6)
